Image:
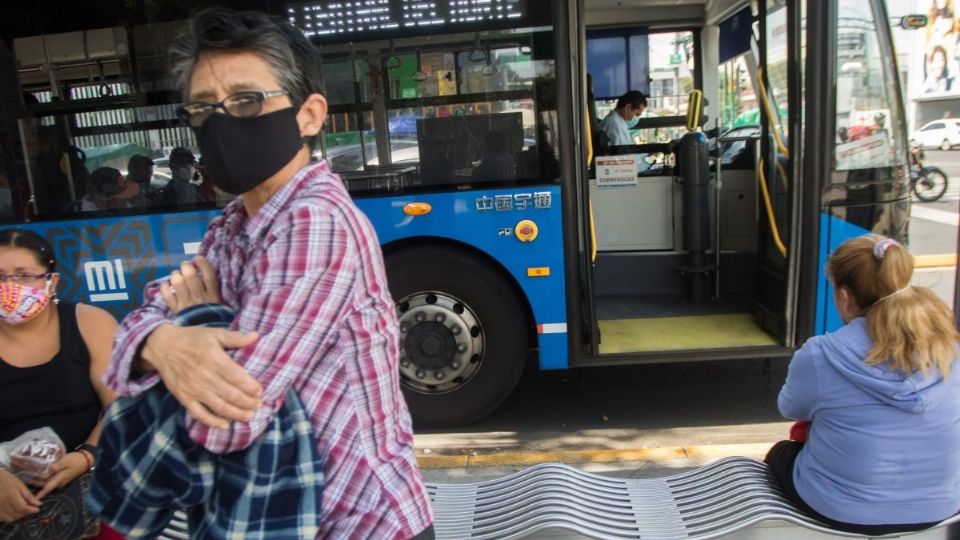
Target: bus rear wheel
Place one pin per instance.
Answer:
(463, 335)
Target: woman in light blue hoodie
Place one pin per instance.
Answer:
(883, 450)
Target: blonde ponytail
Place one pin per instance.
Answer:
(911, 328)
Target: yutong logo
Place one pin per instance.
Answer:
(105, 281)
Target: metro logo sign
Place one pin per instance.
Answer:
(106, 281)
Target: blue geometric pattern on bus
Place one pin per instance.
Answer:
(485, 220)
(106, 262)
(833, 232)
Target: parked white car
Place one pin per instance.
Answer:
(943, 134)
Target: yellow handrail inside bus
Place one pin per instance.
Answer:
(694, 109)
(593, 226)
(761, 176)
(774, 230)
(589, 139)
(773, 120)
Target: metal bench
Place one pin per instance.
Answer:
(722, 498)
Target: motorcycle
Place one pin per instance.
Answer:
(929, 182)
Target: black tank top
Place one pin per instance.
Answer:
(57, 394)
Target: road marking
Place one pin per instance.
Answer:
(703, 453)
(932, 214)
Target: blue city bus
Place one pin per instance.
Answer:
(468, 132)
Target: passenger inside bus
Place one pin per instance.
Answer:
(181, 191)
(49, 175)
(105, 186)
(139, 173)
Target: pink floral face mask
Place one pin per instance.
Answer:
(19, 303)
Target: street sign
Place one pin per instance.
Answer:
(617, 171)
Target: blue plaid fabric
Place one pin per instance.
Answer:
(148, 467)
(213, 315)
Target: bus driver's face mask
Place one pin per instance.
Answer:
(633, 121)
(239, 154)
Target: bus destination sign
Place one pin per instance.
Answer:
(328, 20)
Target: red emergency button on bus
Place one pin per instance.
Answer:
(526, 231)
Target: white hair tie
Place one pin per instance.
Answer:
(891, 295)
(881, 247)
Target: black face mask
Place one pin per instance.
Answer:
(239, 154)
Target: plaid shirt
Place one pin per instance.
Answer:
(306, 272)
(148, 467)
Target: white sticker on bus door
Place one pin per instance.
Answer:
(616, 171)
(866, 153)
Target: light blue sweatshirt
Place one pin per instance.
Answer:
(884, 447)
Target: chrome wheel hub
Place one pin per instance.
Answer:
(441, 342)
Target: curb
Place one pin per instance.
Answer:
(472, 459)
(944, 260)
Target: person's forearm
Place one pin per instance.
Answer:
(151, 354)
(94, 436)
(130, 372)
(92, 440)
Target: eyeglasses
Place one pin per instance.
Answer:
(241, 105)
(23, 277)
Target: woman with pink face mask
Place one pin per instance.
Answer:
(52, 355)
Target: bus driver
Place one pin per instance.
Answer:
(618, 122)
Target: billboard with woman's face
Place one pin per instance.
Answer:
(936, 64)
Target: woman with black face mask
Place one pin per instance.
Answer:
(301, 267)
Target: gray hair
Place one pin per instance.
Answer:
(295, 62)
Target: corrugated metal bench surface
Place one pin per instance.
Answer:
(726, 496)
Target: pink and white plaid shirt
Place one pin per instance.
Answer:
(306, 272)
